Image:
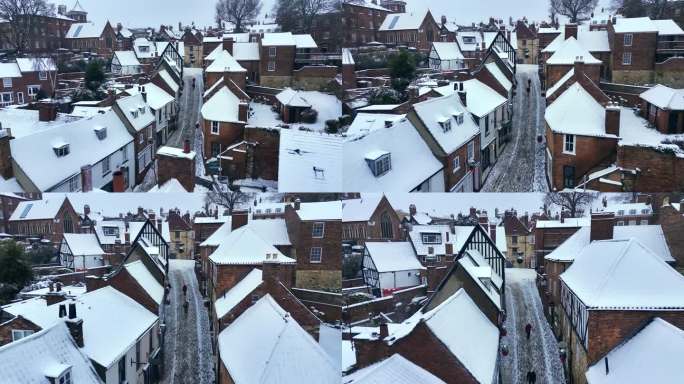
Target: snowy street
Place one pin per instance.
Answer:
(520, 168)
(187, 343)
(188, 116)
(540, 352)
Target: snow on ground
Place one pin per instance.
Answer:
(188, 116)
(540, 352)
(187, 341)
(520, 167)
(329, 107)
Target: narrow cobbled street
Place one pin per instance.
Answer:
(187, 343)
(520, 168)
(189, 114)
(539, 353)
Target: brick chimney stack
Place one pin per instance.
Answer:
(384, 330)
(412, 210)
(462, 93)
(118, 181)
(570, 31)
(579, 67)
(613, 119)
(297, 204)
(238, 219)
(228, 44)
(47, 111)
(75, 325)
(86, 178)
(602, 226)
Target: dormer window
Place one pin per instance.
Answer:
(644, 211)
(134, 112)
(110, 231)
(469, 39)
(59, 374)
(319, 173)
(61, 150)
(446, 124)
(101, 132)
(632, 211)
(458, 116)
(380, 162)
(621, 212)
(431, 238)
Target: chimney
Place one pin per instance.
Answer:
(152, 216)
(384, 330)
(449, 249)
(238, 219)
(186, 146)
(143, 92)
(243, 108)
(297, 204)
(508, 35)
(492, 232)
(54, 297)
(613, 119)
(58, 287)
(570, 31)
(75, 325)
(86, 209)
(579, 67)
(228, 44)
(118, 181)
(602, 225)
(62, 311)
(47, 111)
(444, 20)
(86, 178)
(463, 94)
(160, 224)
(412, 210)
(127, 238)
(473, 212)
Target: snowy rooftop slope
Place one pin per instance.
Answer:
(235, 295)
(395, 369)
(246, 51)
(478, 268)
(25, 122)
(368, 122)
(403, 21)
(8, 70)
(393, 256)
(301, 41)
(245, 246)
(83, 244)
(668, 27)
(304, 41)
(35, 64)
(144, 48)
(309, 162)
(569, 222)
(169, 80)
(137, 111)
(347, 57)
(367, 4)
(85, 30)
(481, 99)
(127, 58)
(225, 62)
(458, 239)
(411, 164)
(273, 349)
(48, 352)
(665, 97)
(273, 231)
(499, 75)
(157, 98)
(146, 280)
(460, 325)
(576, 112)
(360, 209)
(215, 239)
(102, 311)
(176, 152)
(624, 274)
(222, 106)
(326, 210)
(442, 109)
(656, 350)
(568, 52)
(645, 24)
(38, 209)
(623, 209)
(634, 131)
(560, 82)
(292, 98)
(592, 41)
(448, 51)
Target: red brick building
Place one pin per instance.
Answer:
(100, 39)
(51, 31)
(25, 79)
(417, 30)
(47, 219)
(371, 218)
(661, 106)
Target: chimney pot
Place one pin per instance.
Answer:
(612, 119)
(186, 146)
(384, 330)
(72, 311)
(412, 210)
(297, 204)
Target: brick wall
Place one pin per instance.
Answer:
(313, 78)
(643, 51)
(670, 72)
(229, 133)
(284, 61)
(19, 324)
(451, 176)
(266, 152)
(660, 171)
(182, 169)
(672, 223)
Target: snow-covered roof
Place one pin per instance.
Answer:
(223, 106)
(458, 239)
(83, 244)
(347, 57)
(626, 209)
(366, 4)
(566, 223)
(235, 295)
(225, 62)
(25, 122)
(624, 274)
(448, 50)
(8, 70)
(302, 41)
(592, 41)
(668, 27)
(127, 58)
(274, 231)
(245, 246)
(309, 162)
(665, 97)
(136, 111)
(411, 165)
(362, 209)
(479, 270)
(148, 52)
(403, 21)
(215, 239)
(102, 311)
(576, 112)
(551, 91)
(45, 354)
(85, 30)
(499, 76)
(35, 64)
(291, 98)
(645, 24)
(650, 356)
(274, 349)
(569, 52)
(170, 186)
(246, 51)
(211, 219)
(463, 329)
(481, 99)
(635, 131)
(367, 122)
(395, 369)
(393, 256)
(33, 152)
(157, 98)
(176, 152)
(320, 211)
(434, 113)
(147, 281)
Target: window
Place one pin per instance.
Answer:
(569, 144)
(514, 239)
(110, 231)
(318, 230)
(459, 118)
(20, 97)
(446, 125)
(5, 99)
(214, 127)
(122, 370)
(271, 66)
(643, 222)
(381, 165)
(621, 212)
(7, 82)
(105, 166)
(632, 211)
(65, 377)
(215, 149)
(20, 334)
(628, 40)
(42, 75)
(431, 238)
(62, 150)
(456, 163)
(73, 184)
(386, 226)
(316, 255)
(568, 176)
(272, 51)
(627, 58)
(33, 90)
(487, 125)
(471, 151)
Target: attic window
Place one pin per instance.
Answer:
(446, 125)
(431, 238)
(379, 162)
(61, 150)
(458, 116)
(319, 173)
(141, 108)
(101, 132)
(468, 39)
(134, 112)
(110, 231)
(59, 374)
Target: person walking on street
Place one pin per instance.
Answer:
(528, 330)
(531, 377)
(186, 304)
(185, 293)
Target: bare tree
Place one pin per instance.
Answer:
(237, 12)
(23, 19)
(299, 15)
(226, 196)
(576, 10)
(575, 202)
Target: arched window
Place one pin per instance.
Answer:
(386, 226)
(68, 224)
